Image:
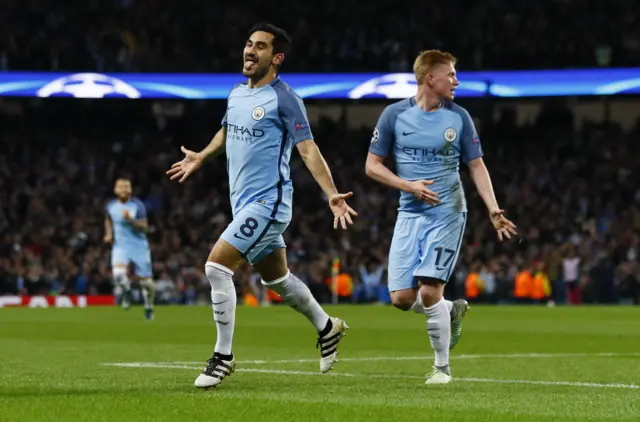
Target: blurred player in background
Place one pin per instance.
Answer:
(126, 229)
(428, 135)
(265, 119)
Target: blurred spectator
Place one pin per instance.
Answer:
(208, 36)
(370, 287)
(571, 275)
(572, 192)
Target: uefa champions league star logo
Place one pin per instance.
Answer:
(393, 85)
(88, 85)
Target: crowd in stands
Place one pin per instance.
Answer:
(208, 36)
(573, 194)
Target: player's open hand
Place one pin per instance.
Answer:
(503, 226)
(191, 162)
(342, 212)
(420, 190)
(126, 215)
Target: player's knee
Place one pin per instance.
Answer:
(219, 276)
(403, 300)
(226, 255)
(431, 291)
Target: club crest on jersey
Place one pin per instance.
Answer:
(376, 136)
(450, 134)
(258, 113)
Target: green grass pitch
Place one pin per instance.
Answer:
(512, 364)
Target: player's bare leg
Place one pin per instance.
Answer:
(221, 264)
(276, 276)
(410, 300)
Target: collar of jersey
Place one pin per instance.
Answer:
(273, 82)
(414, 103)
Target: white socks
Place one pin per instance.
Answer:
(297, 295)
(419, 308)
(123, 285)
(223, 300)
(439, 329)
(148, 288)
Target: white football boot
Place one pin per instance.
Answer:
(328, 344)
(438, 377)
(216, 371)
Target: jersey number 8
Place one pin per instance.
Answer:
(249, 227)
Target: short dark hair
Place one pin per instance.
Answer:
(281, 40)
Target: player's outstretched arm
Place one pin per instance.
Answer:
(376, 170)
(192, 161)
(319, 169)
(482, 180)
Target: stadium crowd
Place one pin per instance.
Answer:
(573, 194)
(207, 36)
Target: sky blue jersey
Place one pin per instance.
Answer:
(124, 235)
(263, 125)
(430, 146)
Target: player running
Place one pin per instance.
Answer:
(265, 119)
(126, 228)
(428, 136)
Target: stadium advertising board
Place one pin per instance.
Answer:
(56, 301)
(514, 84)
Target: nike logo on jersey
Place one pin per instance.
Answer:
(407, 133)
(238, 237)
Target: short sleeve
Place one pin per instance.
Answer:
(141, 210)
(383, 135)
(294, 115)
(470, 141)
(224, 119)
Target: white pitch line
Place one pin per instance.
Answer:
(386, 376)
(401, 358)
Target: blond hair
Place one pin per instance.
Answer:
(427, 60)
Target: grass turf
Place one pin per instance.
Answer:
(52, 366)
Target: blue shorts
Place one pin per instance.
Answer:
(424, 246)
(140, 260)
(254, 234)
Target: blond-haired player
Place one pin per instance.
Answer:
(428, 136)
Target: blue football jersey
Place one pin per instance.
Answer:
(124, 235)
(430, 146)
(263, 124)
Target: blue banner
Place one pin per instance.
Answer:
(327, 86)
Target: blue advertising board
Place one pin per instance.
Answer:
(322, 86)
